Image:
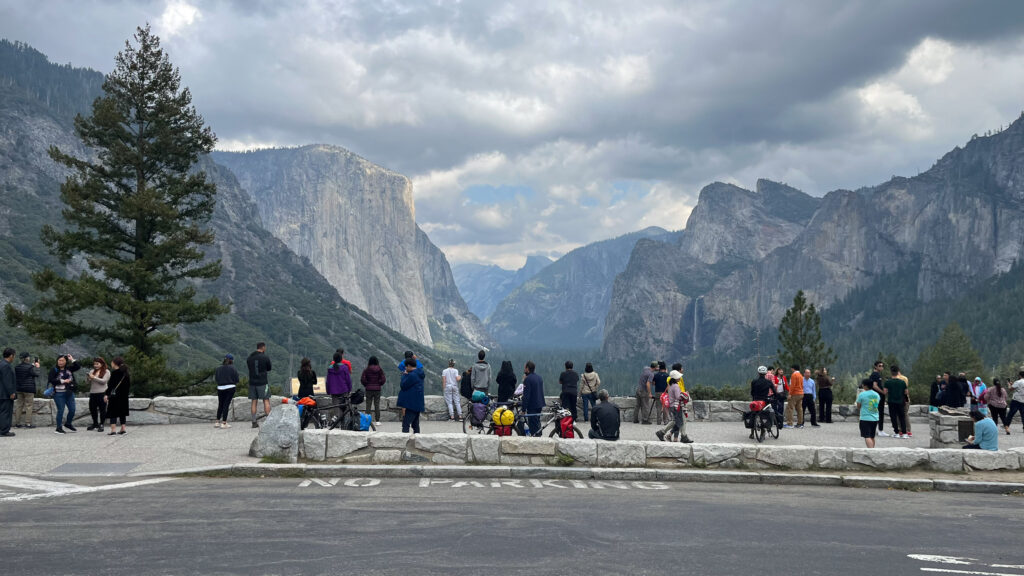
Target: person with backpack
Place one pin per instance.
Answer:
(62, 378)
(411, 396)
(226, 378)
(373, 380)
(506, 381)
(590, 383)
(677, 400)
(259, 385)
(451, 378)
(481, 373)
(570, 383)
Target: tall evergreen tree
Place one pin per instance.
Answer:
(800, 337)
(135, 220)
(952, 352)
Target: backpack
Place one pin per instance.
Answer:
(466, 385)
(477, 414)
(565, 427)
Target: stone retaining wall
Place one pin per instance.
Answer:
(459, 449)
(197, 409)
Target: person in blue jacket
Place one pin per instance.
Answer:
(409, 354)
(533, 397)
(411, 396)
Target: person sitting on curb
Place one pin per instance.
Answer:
(986, 435)
(604, 419)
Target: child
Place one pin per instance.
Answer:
(677, 399)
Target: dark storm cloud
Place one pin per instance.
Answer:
(569, 98)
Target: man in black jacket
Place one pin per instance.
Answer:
(8, 392)
(259, 386)
(605, 419)
(570, 381)
(25, 374)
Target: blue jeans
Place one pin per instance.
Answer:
(64, 399)
(589, 400)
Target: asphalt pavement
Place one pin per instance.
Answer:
(461, 526)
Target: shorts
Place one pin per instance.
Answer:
(260, 392)
(867, 428)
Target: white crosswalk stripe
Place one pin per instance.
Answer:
(18, 488)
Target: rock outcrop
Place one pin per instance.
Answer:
(744, 255)
(566, 303)
(484, 286)
(355, 222)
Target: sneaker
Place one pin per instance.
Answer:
(33, 426)
(660, 434)
(99, 428)
(90, 427)
(255, 425)
(815, 425)
(799, 425)
(884, 433)
(225, 425)
(686, 440)
(378, 423)
(112, 433)
(19, 425)
(71, 427)
(59, 431)
(909, 435)
(788, 426)
(122, 432)
(216, 424)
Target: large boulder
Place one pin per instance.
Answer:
(279, 435)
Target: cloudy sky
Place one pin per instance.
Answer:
(536, 127)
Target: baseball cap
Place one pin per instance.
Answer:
(229, 356)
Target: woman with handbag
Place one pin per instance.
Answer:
(62, 379)
(118, 388)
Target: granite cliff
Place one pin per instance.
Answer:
(741, 260)
(355, 222)
(484, 286)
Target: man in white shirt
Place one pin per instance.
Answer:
(451, 378)
(1017, 403)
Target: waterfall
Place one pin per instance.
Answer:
(695, 302)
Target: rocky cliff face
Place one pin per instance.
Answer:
(565, 304)
(275, 295)
(958, 223)
(355, 222)
(484, 286)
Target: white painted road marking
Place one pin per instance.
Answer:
(961, 561)
(351, 482)
(47, 489)
(495, 483)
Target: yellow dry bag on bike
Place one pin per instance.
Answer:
(503, 416)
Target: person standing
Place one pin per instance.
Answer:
(8, 392)
(118, 388)
(590, 383)
(643, 395)
(451, 378)
(506, 381)
(996, 398)
(533, 397)
(877, 384)
(906, 404)
(25, 374)
(226, 378)
(408, 354)
(98, 378)
(762, 390)
(339, 380)
(795, 401)
(810, 397)
(867, 403)
(306, 377)
(411, 396)
(373, 380)
(895, 394)
(935, 393)
(259, 385)
(62, 378)
(341, 352)
(606, 420)
(1017, 403)
(481, 373)
(824, 387)
(570, 383)
(676, 431)
(985, 436)
(659, 385)
(977, 389)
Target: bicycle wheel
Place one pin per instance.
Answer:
(773, 427)
(308, 417)
(577, 433)
(761, 429)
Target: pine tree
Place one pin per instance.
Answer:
(135, 215)
(952, 352)
(800, 337)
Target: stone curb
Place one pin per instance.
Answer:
(628, 474)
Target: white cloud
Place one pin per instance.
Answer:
(177, 16)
